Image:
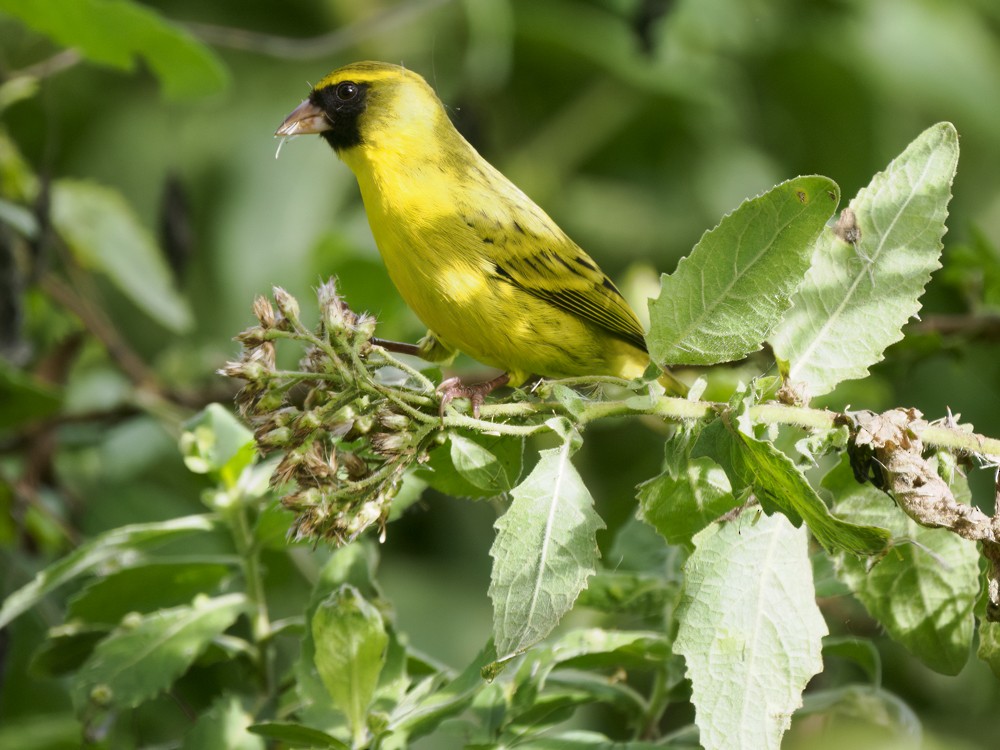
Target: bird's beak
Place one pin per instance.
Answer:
(304, 119)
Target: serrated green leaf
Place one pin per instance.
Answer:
(855, 299)
(144, 588)
(118, 33)
(680, 504)
(729, 293)
(492, 463)
(474, 465)
(215, 441)
(137, 662)
(757, 466)
(101, 549)
(924, 589)
(544, 551)
(350, 642)
(750, 631)
(223, 727)
(105, 235)
(297, 735)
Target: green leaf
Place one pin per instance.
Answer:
(105, 235)
(861, 651)
(582, 740)
(223, 727)
(144, 588)
(297, 735)
(924, 589)
(544, 551)
(90, 555)
(685, 498)
(66, 648)
(144, 657)
(24, 399)
(750, 630)
(40, 731)
(350, 641)
(757, 466)
(855, 299)
(890, 721)
(449, 700)
(214, 441)
(117, 33)
(475, 465)
(989, 646)
(729, 293)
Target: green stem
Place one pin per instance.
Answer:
(260, 623)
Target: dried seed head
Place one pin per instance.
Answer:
(288, 306)
(264, 312)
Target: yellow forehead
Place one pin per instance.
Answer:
(367, 72)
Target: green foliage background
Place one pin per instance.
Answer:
(636, 125)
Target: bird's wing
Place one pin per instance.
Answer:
(554, 269)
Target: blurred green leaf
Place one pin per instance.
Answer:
(872, 706)
(758, 466)
(584, 740)
(861, 651)
(730, 292)
(925, 587)
(66, 648)
(117, 32)
(144, 657)
(105, 235)
(750, 630)
(297, 735)
(223, 727)
(544, 552)
(449, 700)
(99, 550)
(147, 587)
(41, 731)
(24, 398)
(989, 646)
(857, 295)
(628, 593)
(216, 442)
(350, 641)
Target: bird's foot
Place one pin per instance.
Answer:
(453, 388)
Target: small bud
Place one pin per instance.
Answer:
(264, 312)
(393, 421)
(244, 370)
(353, 464)
(389, 443)
(279, 438)
(101, 695)
(288, 306)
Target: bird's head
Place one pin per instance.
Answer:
(365, 105)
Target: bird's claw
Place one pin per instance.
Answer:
(476, 393)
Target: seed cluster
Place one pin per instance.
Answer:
(348, 421)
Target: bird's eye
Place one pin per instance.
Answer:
(347, 91)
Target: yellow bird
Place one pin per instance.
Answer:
(483, 267)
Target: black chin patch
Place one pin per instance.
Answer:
(344, 116)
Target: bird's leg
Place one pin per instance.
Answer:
(453, 388)
(398, 347)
